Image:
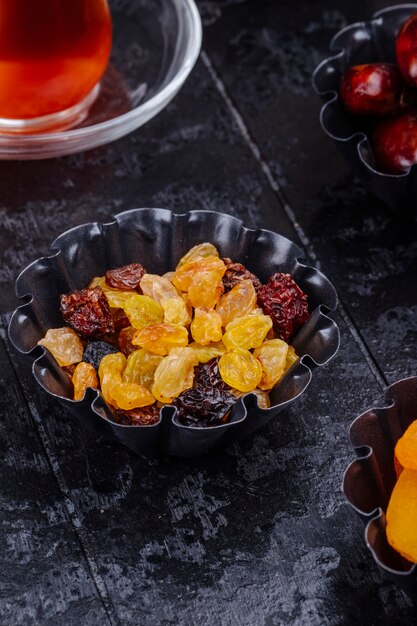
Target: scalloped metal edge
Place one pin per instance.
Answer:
(93, 400)
(406, 578)
(331, 96)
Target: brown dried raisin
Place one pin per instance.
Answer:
(145, 416)
(125, 340)
(125, 277)
(87, 312)
(235, 273)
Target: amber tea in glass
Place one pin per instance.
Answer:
(52, 56)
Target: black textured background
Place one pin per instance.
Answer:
(260, 533)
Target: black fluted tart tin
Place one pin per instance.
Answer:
(364, 42)
(370, 479)
(158, 238)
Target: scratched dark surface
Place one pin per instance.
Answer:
(259, 533)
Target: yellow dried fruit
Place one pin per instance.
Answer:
(121, 395)
(208, 352)
(291, 358)
(206, 326)
(176, 311)
(161, 338)
(272, 355)
(140, 368)
(237, 302)
(247, 332)
(174, 374)
(197, 253)
(240, 369)
(158, 287)
(129, 396)
(143, 311)
(64, 345)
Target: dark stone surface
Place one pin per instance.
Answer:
(259, 533)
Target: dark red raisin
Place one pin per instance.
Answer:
(145, 416)
(208, 375)
(283, 300)
(120, 319)
(87, 312)
(235, 273)
(125, 277)
(204, 406)
(125, 340)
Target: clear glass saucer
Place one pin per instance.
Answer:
(155, 46)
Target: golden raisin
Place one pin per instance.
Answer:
(64, 345)
(208, 352)
(205, 289)
(143, 311)
(84, 376)
(184, 275)
(158, 287)
(161, 338)
(174, 374)
(140, 368)
(197, 253)
(237, 302)
(206, 326)
(247, 332)
(240, 369)
(272, 355)
(176, 311)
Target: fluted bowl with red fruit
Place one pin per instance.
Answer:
(369, 89)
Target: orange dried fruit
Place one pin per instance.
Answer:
(206, 326)
(406, 448)
(184, 275)
(205, 289)
(161, 338)
(402, 515)
(197, 253)
(237, 302)
(84, 376)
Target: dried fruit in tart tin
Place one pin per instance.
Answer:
(64, 344)
(136, 392)
(125, 277)
(87, 312)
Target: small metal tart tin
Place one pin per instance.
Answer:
(158, 238)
